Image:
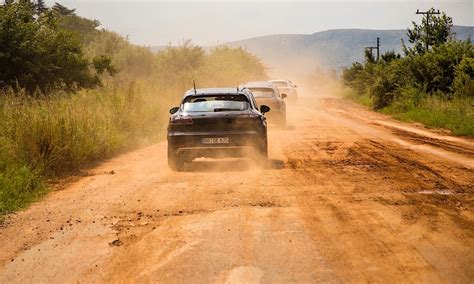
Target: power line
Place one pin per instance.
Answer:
(428, 14)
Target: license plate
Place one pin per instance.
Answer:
(215, 140)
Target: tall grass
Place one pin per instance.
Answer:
(363, 99)
(50, 136)
(55, 136)
(456, 115)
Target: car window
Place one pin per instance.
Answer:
(262, 92)
(277, 91)
(215, 103)
(280, 83)
(254, 102)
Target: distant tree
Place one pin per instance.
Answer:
(463, 84)
(103, 63)
(63, 10)
(433, 30)
(40, 6)
(369, 57)
(179, 64)
(226, 66)
(36, 54)
(84, 28)
(389, 56)
(351, 76)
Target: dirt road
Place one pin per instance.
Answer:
(348, 196)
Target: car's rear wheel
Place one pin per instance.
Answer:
(175, 162)
(261, 157)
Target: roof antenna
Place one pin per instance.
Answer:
(194, 85)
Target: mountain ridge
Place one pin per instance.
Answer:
(328, 49)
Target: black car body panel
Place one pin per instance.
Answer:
(219, 133)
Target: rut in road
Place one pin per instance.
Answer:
(341, 200)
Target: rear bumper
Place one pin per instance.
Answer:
(241, 143)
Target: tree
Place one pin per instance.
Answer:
(36, 54)
(228, 66)
(40, 6)
(179, 64)
(63, 10)
(433, 30)
(369, 57)
(389, 56)
(463, 84)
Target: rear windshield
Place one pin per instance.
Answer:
(280, 83)
(215, 103)
(262, 92)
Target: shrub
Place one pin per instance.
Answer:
(226, 66)
(432, 86)
(35, 53)
(463, 84)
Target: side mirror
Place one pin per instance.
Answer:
(283, 96)
(264, 109)
(174, 110)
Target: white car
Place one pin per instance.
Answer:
(286, 87)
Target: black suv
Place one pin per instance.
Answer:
(216, 123)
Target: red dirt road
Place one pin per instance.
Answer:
(348, 196)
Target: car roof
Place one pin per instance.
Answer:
(215, 91)
(258, 84)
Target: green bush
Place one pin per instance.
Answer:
(463, 84)
(225, 66)
(435, 70)
(53, 136)
(456, 114)
(432, 86)
(37, 54)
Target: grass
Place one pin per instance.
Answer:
(456, 115)
(47, 138)
(363, 99)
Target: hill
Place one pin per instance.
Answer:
(332, 49)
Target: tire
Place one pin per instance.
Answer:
(174, 161)
(261, 157)
(264, 152)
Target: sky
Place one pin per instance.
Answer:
(158, 22)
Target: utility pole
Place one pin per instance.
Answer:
(378, 49)
(375, 47)
(428, 14)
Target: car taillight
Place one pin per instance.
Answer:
(181, 120)
(246, 119)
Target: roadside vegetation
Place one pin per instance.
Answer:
(432, 83)
(72, 94)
